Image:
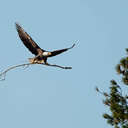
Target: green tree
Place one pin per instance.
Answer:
(116, 99)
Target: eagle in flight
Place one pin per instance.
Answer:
(41, 55)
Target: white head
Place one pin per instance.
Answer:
(46, 53)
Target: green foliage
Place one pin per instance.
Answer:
(116, 100)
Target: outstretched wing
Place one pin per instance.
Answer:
(54, 53)
(27, 40)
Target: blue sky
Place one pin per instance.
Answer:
(47, 97)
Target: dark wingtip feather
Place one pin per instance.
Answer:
(72, 46)
(18, 27)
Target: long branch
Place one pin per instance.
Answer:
(3, 74)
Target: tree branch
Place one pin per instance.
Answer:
(26, 65)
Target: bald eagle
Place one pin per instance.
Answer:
(41, 55)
